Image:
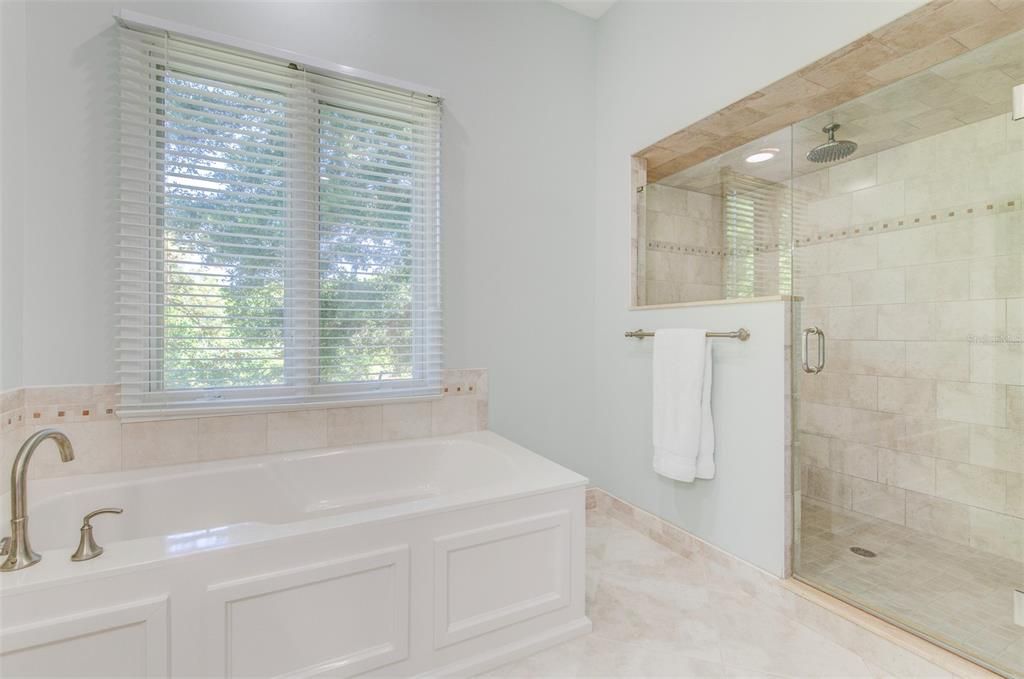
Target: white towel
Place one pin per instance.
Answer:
(684, 431)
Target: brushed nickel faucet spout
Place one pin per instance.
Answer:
(19, 549)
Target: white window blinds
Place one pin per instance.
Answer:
(279, 236)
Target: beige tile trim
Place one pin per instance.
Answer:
(915, 42)
(828, 614)
(947, 660)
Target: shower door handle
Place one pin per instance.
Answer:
(820, 364)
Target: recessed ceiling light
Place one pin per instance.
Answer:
(762, 155)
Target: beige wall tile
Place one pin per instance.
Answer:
(903, 322)
(454, 415)
(997, 363)
(861, 357)
(938, 360)
(232, 436)
(855, 391)
(827, 486)
(296, 430)
(407, 420)
(997, 533)
(911, 472)
(970, 485)
(885, 286)
(149, 444)
(973, 403)
(829, 290)
(854, 459)
(853, 254)
(997, 447)
(1015, 494)
(935, 516)
(878, 202)
(813, 449)
(1015, 408)
(936, 438)
(879, 500)
(945, 281)
(1015, 316)
(97, 448)
(906, 248)
(997, 277)
(358, 424)
(963, 320)
(853, 322)
(857, 174)
(906, 395)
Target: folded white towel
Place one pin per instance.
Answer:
(684, 432)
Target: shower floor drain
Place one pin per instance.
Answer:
(860, 551)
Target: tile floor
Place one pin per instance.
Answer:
(692, 611)
(949, 590)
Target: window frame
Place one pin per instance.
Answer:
(309, 389)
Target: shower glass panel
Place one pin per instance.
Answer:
(720, 229)
(908, 272)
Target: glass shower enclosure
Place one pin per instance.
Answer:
(908, 355)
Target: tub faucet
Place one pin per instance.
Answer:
(19, 550)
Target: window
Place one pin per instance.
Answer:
(279, 232)
(756, 214)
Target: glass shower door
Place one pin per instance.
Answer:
(908, 365)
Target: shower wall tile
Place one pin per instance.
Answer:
(997, 363)
(907, 395)
(997, 448)
(855, 175)
(947, 281)
(912, 261)
(854, 459)
(936, 438)
(878, 202)
(882, 286)
(939, 360)
(853, 322)
(910, 472)
(973, 403)
(970, 485)
(879, 500)
(935, 516)
(903, 322)
(854, 254)
(865, 357)
(997, 533)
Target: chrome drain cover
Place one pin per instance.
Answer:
(860, 551)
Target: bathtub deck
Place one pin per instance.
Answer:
(657, 612)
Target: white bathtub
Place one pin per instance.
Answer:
(433, 556)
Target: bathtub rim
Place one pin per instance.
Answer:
(56, 568)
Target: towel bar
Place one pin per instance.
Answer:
(742, 334)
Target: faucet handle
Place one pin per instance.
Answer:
(5, 546)
(87, 547)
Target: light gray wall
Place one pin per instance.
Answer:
(12, 120)
(660, 67)
(517, 182)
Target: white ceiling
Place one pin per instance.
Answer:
(591, 8)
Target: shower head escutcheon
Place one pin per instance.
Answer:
(832, 150)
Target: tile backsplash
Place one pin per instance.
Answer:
(103, 442)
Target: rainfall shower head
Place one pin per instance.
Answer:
(832, 150)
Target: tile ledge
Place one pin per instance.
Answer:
(714, 302)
